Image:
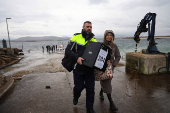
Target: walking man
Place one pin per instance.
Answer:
(83, 75)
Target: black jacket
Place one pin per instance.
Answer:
(75, 50)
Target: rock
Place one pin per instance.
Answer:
(20, 50)
(16, 51)
(2, 62)
(10, 52)
(2, 80)
(7, 60)
(48, 87)
(2, 53)
(17, 78)
(21, 53)
(9, 56)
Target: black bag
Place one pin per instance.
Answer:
(68, 62)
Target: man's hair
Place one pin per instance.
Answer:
(86, 22)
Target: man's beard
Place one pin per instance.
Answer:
(87, 32)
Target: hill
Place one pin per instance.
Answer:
(43, 38)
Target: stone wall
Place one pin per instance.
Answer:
(145, 63)
(8, 55)
(2, 80)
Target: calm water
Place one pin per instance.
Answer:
(124, 45)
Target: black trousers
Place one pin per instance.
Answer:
(84, 79)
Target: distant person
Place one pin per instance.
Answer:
(43, 48)
(56, 47)
(83, 75)
(52, 48)
(47, 48)
(106, 86)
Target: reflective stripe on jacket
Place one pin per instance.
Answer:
(80, 43)
(81, 40)
(79, 47)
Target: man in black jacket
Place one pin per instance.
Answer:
(83, 75)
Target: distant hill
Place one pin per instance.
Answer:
(43, 38)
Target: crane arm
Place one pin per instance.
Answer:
(142, 27)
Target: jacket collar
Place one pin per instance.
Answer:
(87, 36)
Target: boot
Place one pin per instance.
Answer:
(76, 97)
(90, 111)
(112, 105)
(75, 101)
(101, 94)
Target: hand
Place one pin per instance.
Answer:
(108, 62)
(79, 60)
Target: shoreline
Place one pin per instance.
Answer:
(145, 37)
(156, 37)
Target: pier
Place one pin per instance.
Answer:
(132, 92)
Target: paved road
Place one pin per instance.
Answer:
(132, 93)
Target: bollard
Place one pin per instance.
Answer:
(4, 43)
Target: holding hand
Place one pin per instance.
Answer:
(79, 60)
(108, 62)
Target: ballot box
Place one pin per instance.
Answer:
(96, 55)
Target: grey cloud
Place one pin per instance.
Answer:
(16, 17)
(4, 15)
(28, 33)
(98, 21)
(121, 16)
(97, 1)
(144, 3)
(21, 12)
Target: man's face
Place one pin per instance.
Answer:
(87, 28)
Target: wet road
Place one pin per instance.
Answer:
(36, 62)
(132, 93)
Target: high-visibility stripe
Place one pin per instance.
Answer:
(80, 40)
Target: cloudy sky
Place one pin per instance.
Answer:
(66, 17)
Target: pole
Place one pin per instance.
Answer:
(22, 47)
(8, 32)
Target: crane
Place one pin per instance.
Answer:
(152, 49)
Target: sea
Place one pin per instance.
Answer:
(124, 45)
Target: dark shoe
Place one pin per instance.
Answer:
(90, 111)
(75, 101)
(101, 95)
(113, 107)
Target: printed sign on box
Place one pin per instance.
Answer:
(101, 58)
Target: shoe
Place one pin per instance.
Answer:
(75, 101)
(101, 95)
(90, 111)
(113, 107)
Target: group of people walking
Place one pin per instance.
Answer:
(84, 76)
(53, 48)
(50, 48)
